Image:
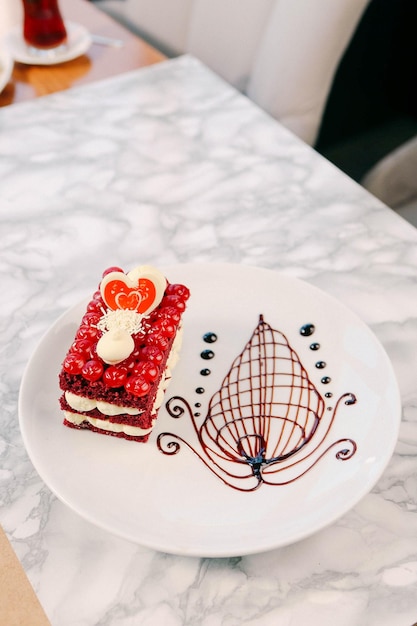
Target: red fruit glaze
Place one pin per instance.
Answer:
(112, 269)
(157, 339)
(174, 301)
(152, 353)
(94, 306)
(130, 363)
(92, 370)
(91, 318)
(73, 363)
(137, 385)
(170, 313)
(147, 369)
(178, 290)
(88, 332)
(164, 327)
(83, 347)
(115, 376)
(139, 339)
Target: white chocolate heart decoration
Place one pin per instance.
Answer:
(140, 290)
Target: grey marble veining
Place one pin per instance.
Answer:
(168, 165)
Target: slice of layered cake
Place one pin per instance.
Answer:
(116, 371)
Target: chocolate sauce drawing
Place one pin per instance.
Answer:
(267, 424)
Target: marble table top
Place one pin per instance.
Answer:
(169, 165)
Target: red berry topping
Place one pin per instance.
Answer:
(169, 329)
(139, 339)
(146, 325)
(171, 313)
(136, 353)
(95, 306)
(92, 370)
(157, 339)
(112, 269)
(137, 385)
(130, 362)
(115, 376)
(178, 290)
(91, 318)
(148, 370)
(83, 347)
(152, 353)
(174, 301)
(88, 332)
(164, 327)
(73, 363)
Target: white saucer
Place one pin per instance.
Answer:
(79, 41)
(6, 67)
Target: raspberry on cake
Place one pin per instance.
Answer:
(116, 371)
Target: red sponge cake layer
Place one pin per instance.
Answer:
(115, 373)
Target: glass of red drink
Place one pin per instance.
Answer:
(43, 26)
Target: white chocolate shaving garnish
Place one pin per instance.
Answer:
(121, 319)
(115, 346)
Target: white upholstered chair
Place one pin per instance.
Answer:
(10, 14)
(282, 53)
(394, 180)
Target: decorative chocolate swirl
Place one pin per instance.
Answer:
(267, 423)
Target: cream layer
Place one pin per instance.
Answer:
(134, 431)
(79, 403)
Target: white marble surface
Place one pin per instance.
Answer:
(169, 165)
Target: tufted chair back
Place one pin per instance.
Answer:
(283, 54)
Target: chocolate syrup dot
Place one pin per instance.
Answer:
(328, 394)
(197, 404)
(351, 399)
(205, 372)
(200, 390)
(320, 365)
(210, 337)
(197, 414)
(207, 354)
(307, 330)
(329, 408)
(325, 380)
(315, 346)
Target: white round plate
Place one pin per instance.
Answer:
(6, 67)
(78, 42)
(176, 503)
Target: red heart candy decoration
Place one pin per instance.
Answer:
(140, 290)
(129, 301)
(118, 294)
